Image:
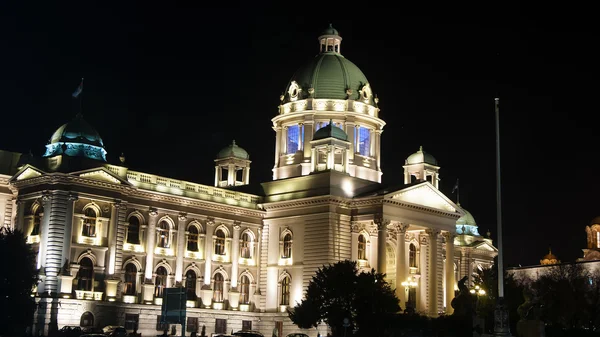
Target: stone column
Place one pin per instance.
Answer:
(20, 220)
(308, 133)
(121, 223)
(231, 175)
(277, 144)
(112, 241)
(258, 261)
(449, 271)
(350, 128)
(247, 175)
(235, 254)
(433, 236)
(180, 247)
(355, 233)
(217, 175)
(150, 244)
(208, 249)
(401, 269)
(381, 244)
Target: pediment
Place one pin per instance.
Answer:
(486, 246)
(27, 172)
(425, 194)
(101, 174)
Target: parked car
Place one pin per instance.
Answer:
(297, 334)
(248, 333)
(70, 331)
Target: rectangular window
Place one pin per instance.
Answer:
(220, 325)
(160, 326)
(192, 324)
(246, 325)
(292, 139)
(364, 141)
(131, 321)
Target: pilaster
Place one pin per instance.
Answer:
(180, 247)
(401, 269)
(381, 244)
(150, 244)
(449, 271)
(208, 249)
(235, 254)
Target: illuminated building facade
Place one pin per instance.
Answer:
(109, 240)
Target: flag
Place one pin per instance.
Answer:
(78, 90)
(455, 186)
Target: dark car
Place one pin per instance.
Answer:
(297, 334)
(248, 333)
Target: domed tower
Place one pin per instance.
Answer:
(422, 166)
(549, 258)
(74, 145)
(328, 89)
(330, 149)
(232, 166)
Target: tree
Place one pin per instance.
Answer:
(339, 292)
(18, 276)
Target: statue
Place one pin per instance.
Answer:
(463, 303)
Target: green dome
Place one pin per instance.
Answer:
(78, 130)
(330, 31)
(466, 224)
(421, 157)
(330, 75)
(330, 130)
(233, 151)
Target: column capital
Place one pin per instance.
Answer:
(182, 216)
(237, 225)
(119, 204)
(46, 196)
(432, 232)
(354, 227)
(72, 197)
(401, 227)
(210, 221)
(152, 211)
(449, 235)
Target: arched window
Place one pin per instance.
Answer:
(244, 290)
(86, 275)
(287, 246)
(37, 219)
(190, 284)
(218, 288)
(412, 256)
(245, 246)
(130, 279)
(161, 281)
(162, 232)
(89, 222)
(192, 243)
(285, 291)
(133, 231)
(220, 242)
(362, 247)
(87, 319)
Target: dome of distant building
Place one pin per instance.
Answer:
(329, 75)
(549, 258)
(421, 157)
(330, 130)
(233, 150)
(466, 224)
(76, 139)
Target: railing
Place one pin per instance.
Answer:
(88, 295)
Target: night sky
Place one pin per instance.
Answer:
(170, 87)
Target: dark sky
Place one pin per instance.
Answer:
(171, 86)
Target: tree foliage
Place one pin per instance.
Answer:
(18, 276)
(339, 292)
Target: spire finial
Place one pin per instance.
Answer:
(233, 143)
(421, 148)
(122, 158)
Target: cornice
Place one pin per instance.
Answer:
(54, 179)
(305, 202)
(422, 209)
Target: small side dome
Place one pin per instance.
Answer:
(549, 258)
(420, 157)
(233, 151)
(330, 131)
(466, 224)
(76, 139)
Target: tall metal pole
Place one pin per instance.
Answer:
(499, 203)
(501, 323)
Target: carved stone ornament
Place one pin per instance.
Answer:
(153, 212)
(401, 227)
(119, 204)
(182, 216)
(210, 221)
(355, 227)
(433, 232)
(237, 225)
(449, 236)
(424, 240)
(46, 196)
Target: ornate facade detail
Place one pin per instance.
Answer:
(153, 212)
(355, 227)
(182, 216)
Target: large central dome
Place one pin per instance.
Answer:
(329, 75)
(76, 139)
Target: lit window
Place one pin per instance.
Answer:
(244, 290)
(161, 282)
(362, 247)
(364, 141)
(287, 246)
(89, 223)
(293, 137)
(190, 285)
(245, 246)
(192, 244)
(162, 233)
(130, 279)
(285, 291)
(133, 230)
(220, 242)
(37, 219)
(218, 288)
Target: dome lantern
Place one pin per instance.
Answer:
(330, 40)
(232, 166)
(422, 166)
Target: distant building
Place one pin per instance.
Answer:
(109, 240)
